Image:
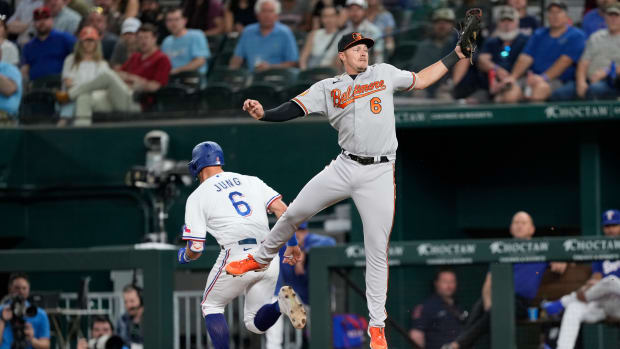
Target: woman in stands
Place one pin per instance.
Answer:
(10, 53)
(83, 65)
(321, 48)
(383, 19)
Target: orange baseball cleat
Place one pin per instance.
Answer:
(238, 268)
(377, 338)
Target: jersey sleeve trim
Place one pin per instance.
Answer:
(194, 238)
(415, 80)
(272, 200)
(301, 105)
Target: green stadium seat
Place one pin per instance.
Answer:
(49, 82)
(279, 77)
(236, 79)
(316, 74)
(172, 98)
(294, 90)
(216, 97)
(190, 79)
(266, 94)
(37, 106)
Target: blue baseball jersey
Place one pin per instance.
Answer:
(527, 278)
(606, 267)
(40, 325)
(299, 283)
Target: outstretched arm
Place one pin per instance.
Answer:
(286, 111)
(437, 70)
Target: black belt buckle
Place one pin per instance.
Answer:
(365, 160)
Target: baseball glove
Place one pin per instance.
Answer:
(470, 32)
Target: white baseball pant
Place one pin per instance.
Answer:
(373, 190)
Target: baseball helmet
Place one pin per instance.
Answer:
(205, 154)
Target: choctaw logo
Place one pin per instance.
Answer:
(518, 247)
(571, 245)
(343, 98)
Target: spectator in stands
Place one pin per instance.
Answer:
(441, 42)
(205, 15)
(45, 54)
(439, 319)
(382, 19)
(238, 15)
(551, 54)
(82, 66)
(527, 278)
(267, 44)
(499, 54)
(297, 277)
(114, 18)
(127, 45)
(598, 66)
(10, 89)
(340, 5)
(597, 299)
(82, 7)
(98, 19)
(6, 9)
(65, 19)
(356, 10)
(186, 48)
(527, 23)
(321, 47)
(595, 19)
(37, 328)
(100, 327)
(146, 71)
(127, 8)
(151, 12)
(294, 14)
(129, 326)
(10, 52)
(21, 23)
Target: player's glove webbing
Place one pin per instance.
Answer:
(470, 32)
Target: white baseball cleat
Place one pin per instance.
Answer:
(291, 306)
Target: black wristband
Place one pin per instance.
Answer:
(450, 59)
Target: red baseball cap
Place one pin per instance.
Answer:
(41, 13)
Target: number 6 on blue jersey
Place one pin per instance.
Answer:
(242, 207)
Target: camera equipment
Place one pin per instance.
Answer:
(106, 342)
(159, 178)
(20, 309)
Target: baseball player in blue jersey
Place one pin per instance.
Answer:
(233, 208)
(598, 299)
(359, 105)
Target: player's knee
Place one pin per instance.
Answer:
(611, 280)
(575, 310)
(249, 324)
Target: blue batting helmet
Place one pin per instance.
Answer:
(205, 154)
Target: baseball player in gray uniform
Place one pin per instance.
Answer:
(359, 105)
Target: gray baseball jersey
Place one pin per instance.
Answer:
(361, 110)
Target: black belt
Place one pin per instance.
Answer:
(249, 241)
(365, 160)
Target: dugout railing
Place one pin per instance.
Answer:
(158, 266)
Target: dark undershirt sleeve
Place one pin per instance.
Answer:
(286, 111)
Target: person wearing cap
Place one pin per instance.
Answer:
(439, 43)
(127, 45)
(356, 10)
(65, 19)
(45, 54)
(360, 105)
(10, 89)
(499, 54)
(267, 44)
(527, 23)
(597, 299)
(99, 20)
(599, 63)
(146, 71)
(594, 20)
(21, 22)
(10, 52)
(82, 66)
(549, 58)
(187, 48)
(296, 276)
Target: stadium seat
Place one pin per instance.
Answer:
(294, 90)
(217, 97)
(190, 79)
(49, 82)
(313, 75)
(172, 98)
(280, 77)
(223, 58)
(236, 79)
(214, 42)
(267, 94)
(38, 106)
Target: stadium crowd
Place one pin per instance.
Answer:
(77, 58)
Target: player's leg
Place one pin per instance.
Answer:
(326, 188)
(274, 336)
(574, 315)
(219, 291)
(374, 198)
(607, 286)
